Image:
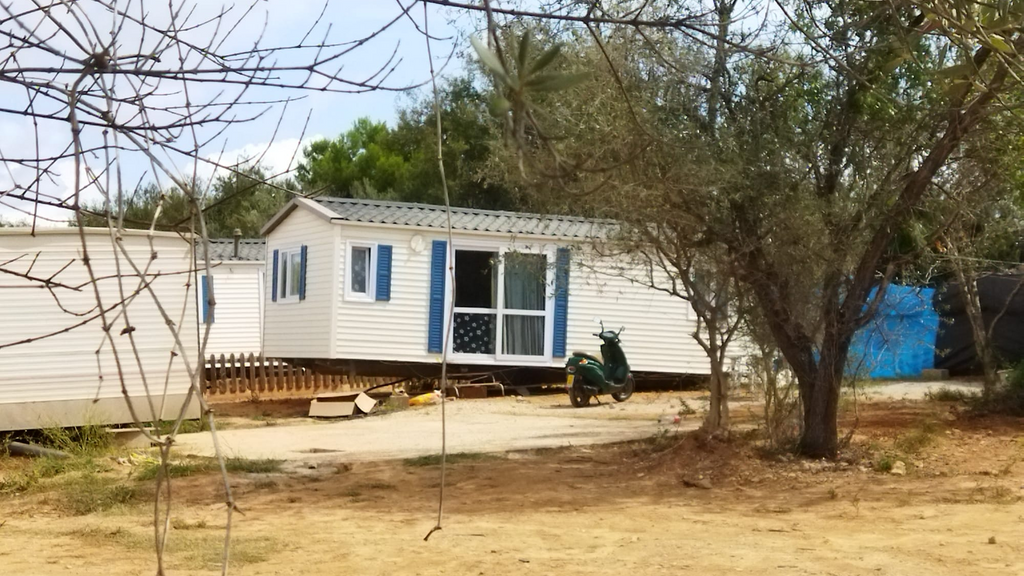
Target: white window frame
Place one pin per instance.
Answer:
(283, 258)
(548, 313)
(371, 273)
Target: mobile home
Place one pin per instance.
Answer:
(236, 276)
(364, 285)
(58, 366)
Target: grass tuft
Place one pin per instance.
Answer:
(88, 493)
(457, 458)
(197, 466)
(947, 394)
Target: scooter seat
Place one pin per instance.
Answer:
(590, 357)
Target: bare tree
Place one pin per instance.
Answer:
(112, 92)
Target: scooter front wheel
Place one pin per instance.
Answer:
(626, 391)
(577, 396)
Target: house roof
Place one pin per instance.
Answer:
(223, 250)
(464, 219)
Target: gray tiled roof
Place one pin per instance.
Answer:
(223, 249)
(466, 219)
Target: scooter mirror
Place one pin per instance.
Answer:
(622, 329)
(597, 320)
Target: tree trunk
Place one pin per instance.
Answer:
(723, 9)
(717, 418)
(982, 343)
(820, 437)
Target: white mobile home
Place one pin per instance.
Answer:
(236, 320)
(57, 368)
(356, 282)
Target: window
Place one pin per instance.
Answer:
(476, 302)
(362, 264)
(525, 304)
(289, 275)
(501, 303)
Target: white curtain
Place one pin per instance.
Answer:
(525, 289)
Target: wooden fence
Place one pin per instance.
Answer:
(252, 376)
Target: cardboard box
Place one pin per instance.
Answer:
(472, 391)
(341, 405)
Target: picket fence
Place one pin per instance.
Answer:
(253, 376)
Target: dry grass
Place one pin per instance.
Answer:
(189, 547)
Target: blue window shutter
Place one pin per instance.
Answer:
(435, 331)
(383, 272)
(273, 281)
(302, 274)
(561, 320)
(205, 282)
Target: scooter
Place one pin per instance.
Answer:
(588, 376)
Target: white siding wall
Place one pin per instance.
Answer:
(302, 329)
(238, 316)
(53, 381)
(393, 330)
(659, 327)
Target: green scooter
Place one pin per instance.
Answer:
(587, 376)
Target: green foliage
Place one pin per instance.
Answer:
(197, 466)
(150, 470)
(83, 440)
(885, 463)
(187, 426)
(79, 485)
(243, 200)
(372, 160)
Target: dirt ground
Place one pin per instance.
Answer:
(671, 504)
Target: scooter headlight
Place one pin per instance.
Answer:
(583, 360)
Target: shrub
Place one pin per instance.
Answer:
(1008, 399)
(88, 493)
(88, 439)
(947, 394)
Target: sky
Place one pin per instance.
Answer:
(273, 137)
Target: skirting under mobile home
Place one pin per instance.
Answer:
(57, 367)
(363, 283)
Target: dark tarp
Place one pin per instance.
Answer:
(954, 345)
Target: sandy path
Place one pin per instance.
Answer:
(494, 425)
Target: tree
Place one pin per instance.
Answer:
(400, 162)
(825, 153)
(243, 200)
(103, 88)
(364, 155)
(663, 243)
(983, 239)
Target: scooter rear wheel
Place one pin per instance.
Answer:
(577, 396)
(627, 390)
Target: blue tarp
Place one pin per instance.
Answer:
(900, 341)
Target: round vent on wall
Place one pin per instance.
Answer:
(417, 244)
